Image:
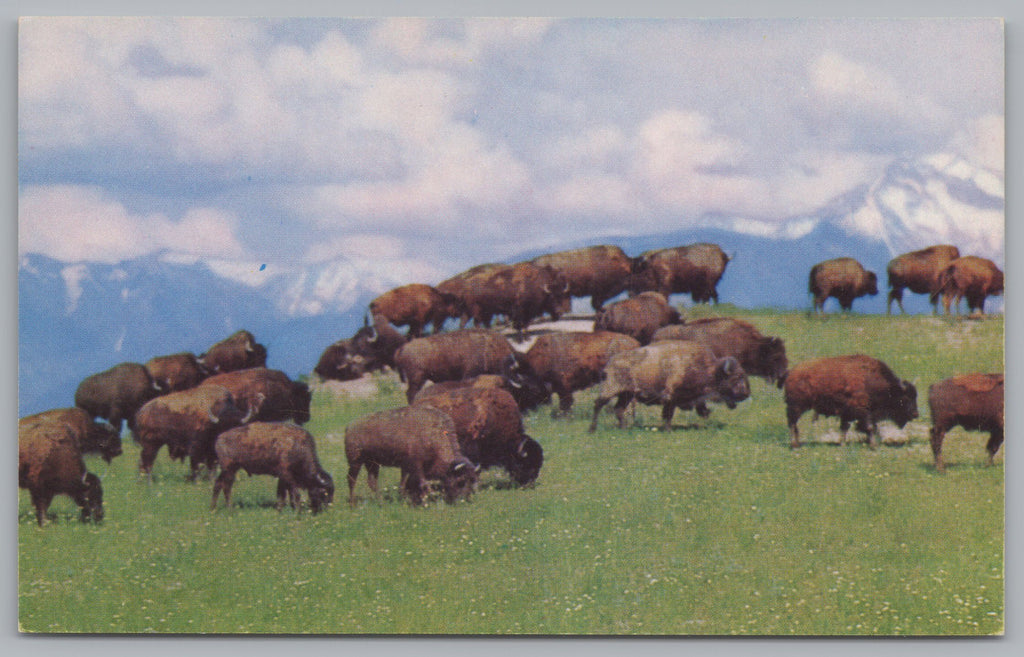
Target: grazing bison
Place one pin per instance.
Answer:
(421, 441)
(573, 361)
(842, 278)
(673, 374)
(971, 277)
(490, 430)
(270, 394)
(116, 394)
(638, 317)
(187, 422)
(176, 372)
(972, 401)
(92, 437)
(528, 391)
(279, 449)
(371, 348)
(917, 272)
(238, 351)
(853, 388)
(694, 269)
(50, 463)
(759, 355)
(598, 272)
(415, 306)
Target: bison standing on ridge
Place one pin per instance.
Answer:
(854, 388)
(116, 394)
(972, 277)
(279, 449)
(421, 441)
(638, 317)
(269, 394)
(470, 293)
(695, 269)
(176, 371)
(370, 348)
(972, 401)
(759, 355)
(672, 374)
(842, 278)
(598, 272)
(917, 271)
(238, 351)
(50, 463)
(415, 306)
(92, 437)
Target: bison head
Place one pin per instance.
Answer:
(526, 387)
(460, 480)
(772, 361)
(903, 407)
(105, 439)
(340, 362)
(871, 286)
(301, 398)
(321, 493)
(92, 498)
(731, 382)
(526, 462)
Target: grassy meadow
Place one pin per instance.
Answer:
(714, 528)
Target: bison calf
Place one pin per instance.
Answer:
(842, 278)
(972, 401)
(50, 463)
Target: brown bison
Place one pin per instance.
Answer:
(269, 394)
(116, 394)
(573, 361)
(239, 351)
(521, 292)
(972, 401)
(468, 289)
(598, 272)
(917, 272)
(695, 269)
(853, 388)
(672, 374)
(50, 463)
(971, 277)
(415, 306)
(371, 348)
(176, 371)
(92, 437)
(278, 449)
(490, 430)
(528, 391)
(759, 355)
(842, 278)
(419, 440)
(638, 317)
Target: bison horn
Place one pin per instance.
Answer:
(547, 288)
(459, 467)
(213, 418)
(521, 450)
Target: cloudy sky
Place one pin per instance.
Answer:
(425, 146)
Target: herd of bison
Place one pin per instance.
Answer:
(225, 410)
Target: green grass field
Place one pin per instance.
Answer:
(714, 528)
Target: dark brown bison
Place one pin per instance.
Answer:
(528, 391)
(490, 430)
(415, 306)
(638, 317)
(371, 348)
(419, 440)
(573, 361)
(269, 394)
(971, 277)
(694, 269)
(972, 401)
(854, 388)
(917, 271)
(92, 437)
(239, 351)
(468, 291)
(187, 422)
(521, 292)
(598, 272)
(842, 278)
(176, 371)
(672, 374)
(759, 355)
(278, 449)
(50, 463)
(116, 394)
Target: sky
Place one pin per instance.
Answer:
(422, 146)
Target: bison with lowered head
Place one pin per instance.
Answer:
(278, 449)
(759, 355)
(694, 269)
(972, 401)
(116, 394)
(421, 441)
(238, 351)
(50, 463)
(269, 394)
(917, 271)
(92, 437)
(415, 306)
(672, 374)
(971, 277)
(371, 348)
(638, 317)
(490, 430)
(854, 388)
(176, 371)
(842, 278)
(598, 272)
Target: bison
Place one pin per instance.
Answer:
(415, 306)
(673, 374)
(521, 292)
(638, 317)
(176, 371)
(917, 272)
(759, 355)
(238, 351)
(92, 437)
(528, 391)
(854, 388)
(598, 272)
(842, 278)
(972, 401)
(116, 394)
(490, 430)
(371, 348)
(50, 463)
(279, 449)
(466, 290)
(573, 361)
(421, 441)
(270, 394)
(971, 277)
(695, 269)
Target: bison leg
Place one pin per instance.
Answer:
(415, 329)
(895, 294)
(147, 457)
(667, 411)
(564, 402)
(621, 406)
(416, 382)
(41, 502)
(224, 482)
(937, 433)
(598, 405)
(353, 474)
(995, 439)
(793, 414)
(844, 427)
(414, 485)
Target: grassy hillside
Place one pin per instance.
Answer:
(716, 527)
